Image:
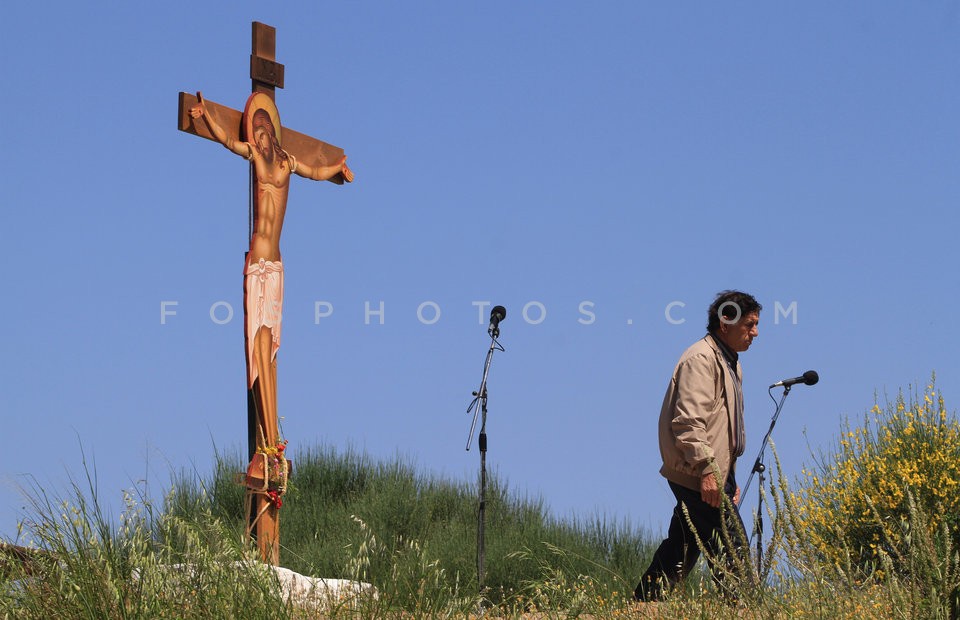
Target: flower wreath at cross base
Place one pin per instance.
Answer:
(267, 474)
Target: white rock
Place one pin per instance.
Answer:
(301, 590)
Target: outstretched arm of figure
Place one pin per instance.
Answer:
(240, 148)
(324, 173)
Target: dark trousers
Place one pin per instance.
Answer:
(679, 552)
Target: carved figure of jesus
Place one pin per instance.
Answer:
(263, 272)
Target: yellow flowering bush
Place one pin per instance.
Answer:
(854, 504)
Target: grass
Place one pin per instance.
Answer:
(413, 536)
(338, 500)
(345, 516)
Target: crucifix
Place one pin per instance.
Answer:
(275, 154)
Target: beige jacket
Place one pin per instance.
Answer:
(697, 416)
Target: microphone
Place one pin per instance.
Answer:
(808, 378)
(496, 315)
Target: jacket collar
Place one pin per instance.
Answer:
(732, 356)
(723, 351)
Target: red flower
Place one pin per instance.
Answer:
(274, 498)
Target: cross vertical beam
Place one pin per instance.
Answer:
(264, 517)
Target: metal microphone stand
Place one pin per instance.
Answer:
(480, 396)
(760, 468)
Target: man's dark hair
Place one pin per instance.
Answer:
(731, 305)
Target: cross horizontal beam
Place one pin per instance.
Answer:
(306, 149)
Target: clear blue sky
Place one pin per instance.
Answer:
(537, 155)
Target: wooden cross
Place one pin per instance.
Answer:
(266, 75)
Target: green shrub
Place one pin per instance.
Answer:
(883, 508)
(853, 500)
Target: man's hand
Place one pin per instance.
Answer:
(736, 497)
(198, 109)
(709, 489)
(345, 171)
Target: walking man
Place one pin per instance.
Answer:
(701, 435)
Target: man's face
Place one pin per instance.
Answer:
(264, 142)
(739, 336)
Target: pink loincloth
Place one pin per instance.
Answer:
(263, 302)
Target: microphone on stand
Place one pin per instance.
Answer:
(479, 406)
(808, 378)
(496, 315)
